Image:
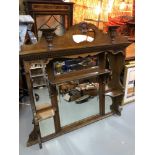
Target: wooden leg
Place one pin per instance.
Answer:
(39, 136)
(101, 95)
(35, 136)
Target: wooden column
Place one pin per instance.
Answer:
(101, 90)
(35, 135)
(54, 94)
(55, 104)
(116, 64)
(30, 86)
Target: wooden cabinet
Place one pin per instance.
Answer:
(47, 10)
(130, 53)
(64, 48)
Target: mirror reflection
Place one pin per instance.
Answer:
(89, 36)
(69, 65)
(78, 100)
(108, 103)
(42, 99)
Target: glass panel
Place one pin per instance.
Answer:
(50, 21)
(43, 94)
(108, 103)
(47, 127)
(77, 100)
(70, 65)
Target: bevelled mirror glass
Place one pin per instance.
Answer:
(77, 100)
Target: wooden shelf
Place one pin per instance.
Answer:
(114, 93)
(45, 111)
(39, 75)
(42, 115)
(39, 85)
(42, 106)
(36, 68)
(76, 75)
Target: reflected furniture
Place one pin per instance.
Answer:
(64, 47)
(130, 52)
(45, 8)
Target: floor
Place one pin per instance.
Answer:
(111, 136)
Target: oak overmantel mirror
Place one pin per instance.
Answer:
(77, 79)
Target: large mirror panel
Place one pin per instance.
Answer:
(77, 100)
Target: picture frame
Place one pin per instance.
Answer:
(129, 83)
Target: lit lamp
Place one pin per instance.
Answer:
(126, 7)
(98, 9)
(122, 5)
(104, 11)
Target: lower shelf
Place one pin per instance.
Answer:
(45, 111)
(41, 85)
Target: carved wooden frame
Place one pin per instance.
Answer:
(102, 46)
